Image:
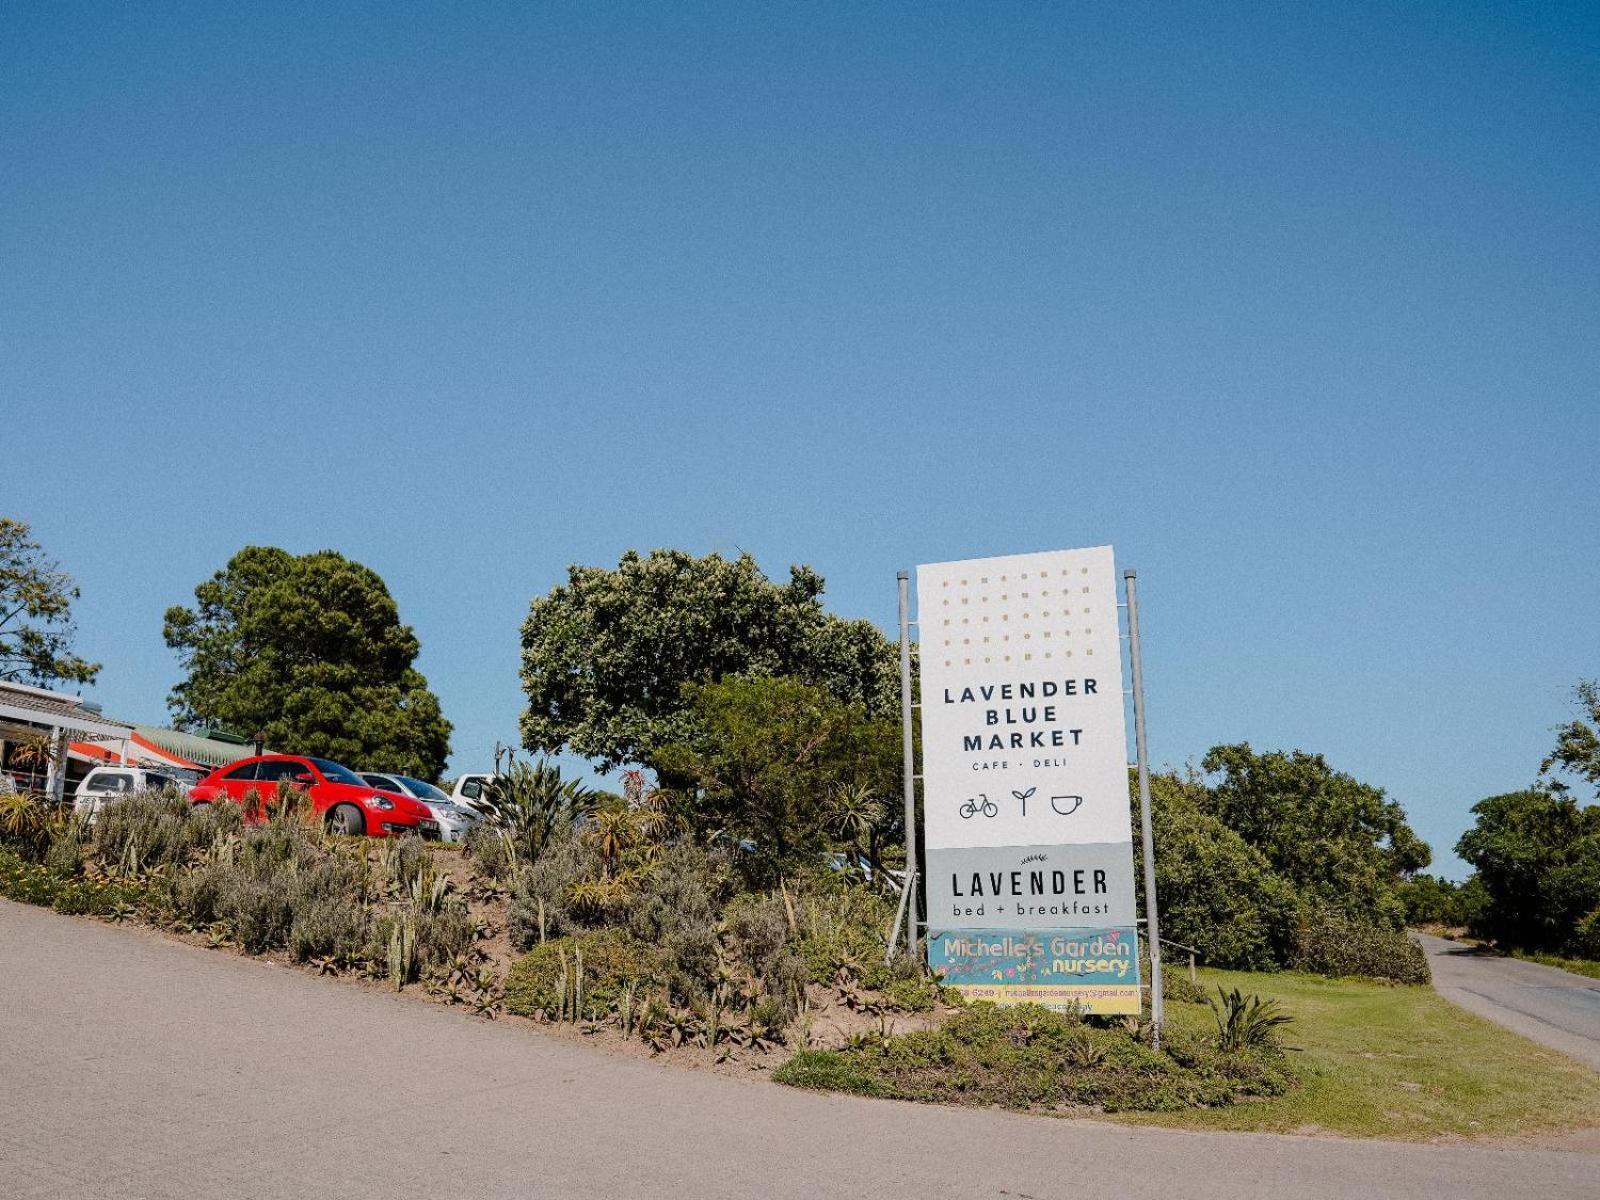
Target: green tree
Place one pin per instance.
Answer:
(1577, 744)
(774, 765)
(1217, 892)
(606, 655)
(1330, 836)
(309, 649)
(1431, 900)
(1537, 854)
(36, 629)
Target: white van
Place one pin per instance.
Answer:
(106, 783)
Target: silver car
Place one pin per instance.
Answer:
(455, 821)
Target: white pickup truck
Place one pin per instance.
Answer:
(469, 791)
(104, 783)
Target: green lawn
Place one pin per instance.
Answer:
(1395, 1062)
(1578, 966)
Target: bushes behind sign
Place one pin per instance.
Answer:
(1278, 861)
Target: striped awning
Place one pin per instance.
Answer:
(193, 747)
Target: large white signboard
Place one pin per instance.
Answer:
(1025, 780)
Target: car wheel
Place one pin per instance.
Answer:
(346, 818)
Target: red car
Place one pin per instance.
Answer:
(338, 794)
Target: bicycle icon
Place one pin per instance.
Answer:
(982, 805)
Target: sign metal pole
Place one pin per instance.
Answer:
(1152, 917)
(909, 752)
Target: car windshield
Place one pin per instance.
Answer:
(336, 773)
(425, 790)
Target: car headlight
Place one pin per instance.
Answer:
(380, 802)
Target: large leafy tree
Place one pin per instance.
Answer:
(1217, 892)
(786, 771)
(36, 629)
(309, 649)
(1537, 854)
(1329, 835)
(606, 655)
(1577, 750)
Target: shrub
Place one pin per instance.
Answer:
(758, 936)
(67, 839)
(26, 824)
(406, 862)
(904, 984)
(327, 926)
(37, 883)
(256, 909)
(1585, 940)
(1537, 855)
(443, 934)
(413, 940)
(153, 828)
(678, 912)
(1178, 988)
(535, 806)
(1430, 900)
(1217, 892)
(492, 849)
(543, 887)
(327, 915)
(758, 931)
(278, 886)
(1329, 943)
(612, 960)
(843, 926)
(1029, 1057)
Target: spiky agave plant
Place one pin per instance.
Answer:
(652, 1024)
(533, 804)
(684, 1028)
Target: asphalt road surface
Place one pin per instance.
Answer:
(131, 1066)
(1557, 1008)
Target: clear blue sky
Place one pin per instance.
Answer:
(1296, 305)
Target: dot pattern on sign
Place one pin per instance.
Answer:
(1012, 601)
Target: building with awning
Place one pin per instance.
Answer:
(36, 728)
(154, 746)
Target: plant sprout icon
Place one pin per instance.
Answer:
(1023, 796)
(982, 805)
(1071, 802)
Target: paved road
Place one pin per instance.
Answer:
(1557, 1008)
(131, 1066)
